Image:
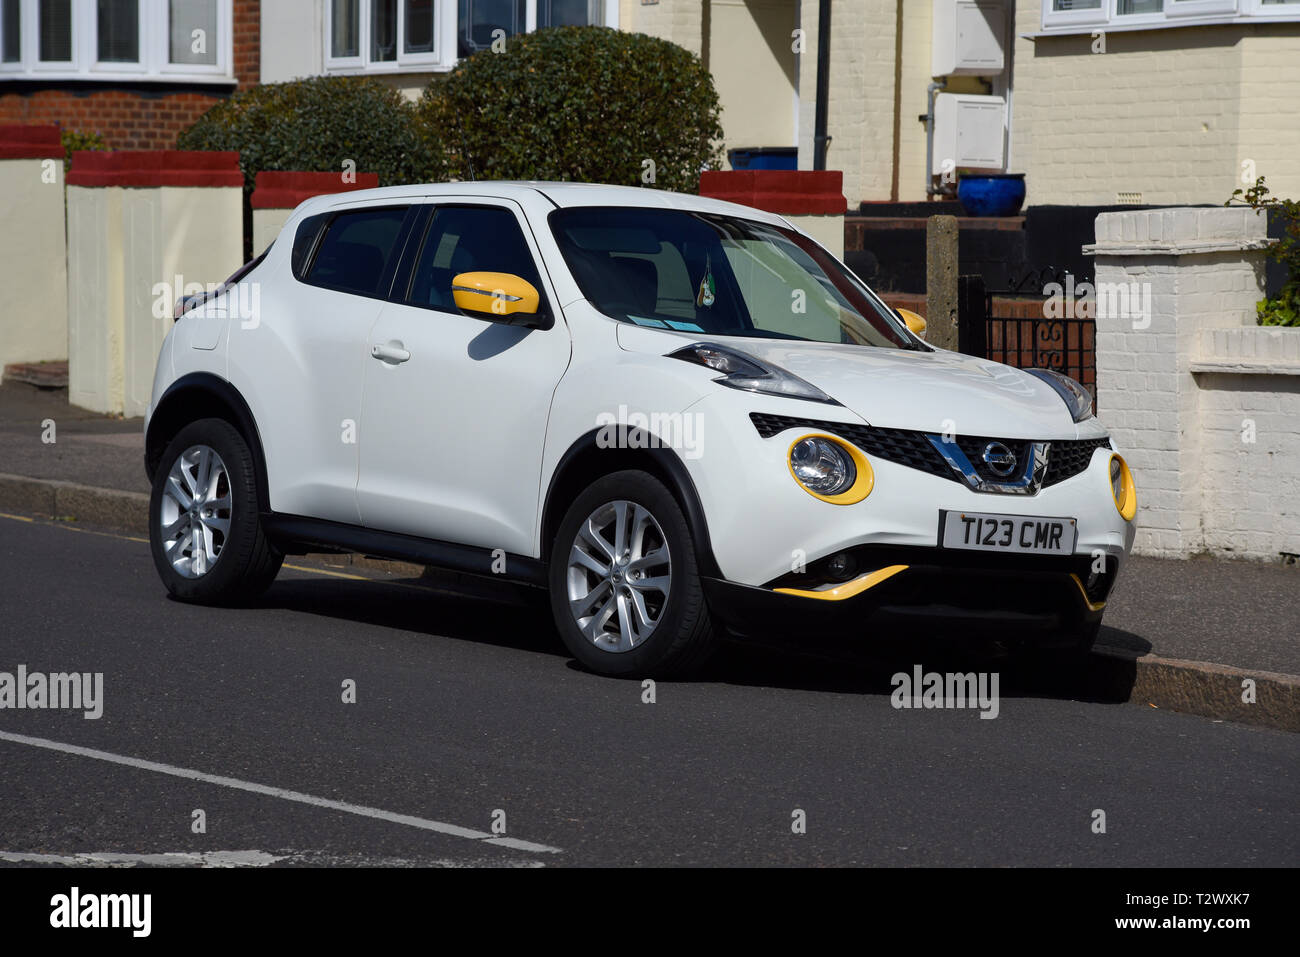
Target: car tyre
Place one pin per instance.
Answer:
(607, 592)
(205, 529)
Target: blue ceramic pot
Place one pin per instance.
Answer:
(995, 194)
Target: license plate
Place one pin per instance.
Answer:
(986, 532)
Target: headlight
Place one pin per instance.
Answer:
(741, 371)
(831, 470)
(821, 466)
(1122, 488)
(1076, 398)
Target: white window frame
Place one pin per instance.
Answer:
(155, 49)
(1176, 13)
(445, 30)
(444, 42)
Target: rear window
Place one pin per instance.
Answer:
(356, 248)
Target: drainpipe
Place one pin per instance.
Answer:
(820, 139)
(929, 139)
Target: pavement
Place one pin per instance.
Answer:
(1178, 634)
(474, 740)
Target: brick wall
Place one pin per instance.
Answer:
(144, 116)
(1203, 403)
(860, 112)
(1171, 114)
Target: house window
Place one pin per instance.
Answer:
(54, 27)
(11, 25)
(1070, 16)
(192, 32)
(117, 31)
(385, 36)
(136, 40)
(480, 19)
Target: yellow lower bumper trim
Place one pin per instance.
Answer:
(848, 589)
(1092, 605)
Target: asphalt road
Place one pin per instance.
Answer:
(465, 707)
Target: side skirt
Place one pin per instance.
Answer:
(297, 533)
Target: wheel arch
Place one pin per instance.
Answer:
(202, 395)
(589, 459)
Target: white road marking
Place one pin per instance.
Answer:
(285, 795)
(168, 859)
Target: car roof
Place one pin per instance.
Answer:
(562, 195)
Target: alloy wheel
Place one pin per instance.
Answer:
(195, 512)
(619, 576)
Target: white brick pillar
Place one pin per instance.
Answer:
(33, 251)
(1164, 278)
(141, 223)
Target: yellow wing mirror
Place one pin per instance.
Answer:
(914, 322)
(498, 294)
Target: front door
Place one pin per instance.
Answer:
(455, 407)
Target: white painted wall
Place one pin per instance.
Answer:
(1204, 403)
(33, 262)
(123, 243)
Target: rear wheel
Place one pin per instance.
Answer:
(205, 530)
(624, 581)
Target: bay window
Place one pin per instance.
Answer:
(159, 40)
(383, 36)
(1080, 16)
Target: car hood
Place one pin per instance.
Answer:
(935, 391)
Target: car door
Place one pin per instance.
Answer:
(455, 406)
(303, 369)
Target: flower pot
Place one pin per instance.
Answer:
(992, 194)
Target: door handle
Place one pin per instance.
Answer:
(390, 352)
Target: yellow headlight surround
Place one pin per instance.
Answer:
(862, 484)
(1126, 503)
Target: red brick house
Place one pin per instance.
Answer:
(137, 72)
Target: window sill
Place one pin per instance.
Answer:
(1171, 23)
(387, 70)
(110, 77)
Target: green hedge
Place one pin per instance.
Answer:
(317, 124)
(585, 104)
(569, 103)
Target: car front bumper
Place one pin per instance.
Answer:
(903, 592)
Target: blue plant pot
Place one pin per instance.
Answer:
(995, 194)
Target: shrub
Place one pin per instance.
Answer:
(1284, 309)
(317, 124)
(577, 103)
(74, 140)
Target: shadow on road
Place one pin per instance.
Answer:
(509, 617)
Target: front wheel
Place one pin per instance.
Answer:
(624, 581)
(205, 531)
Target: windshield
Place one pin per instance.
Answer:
(719, 275)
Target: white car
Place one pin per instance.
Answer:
(679, 416)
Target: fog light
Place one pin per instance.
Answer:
(841, 567)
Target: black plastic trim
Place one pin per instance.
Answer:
(229, 396)
(673, 468)
(291, 530)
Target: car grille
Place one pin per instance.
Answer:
(1066, 458)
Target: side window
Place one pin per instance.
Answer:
(356, 247)
(304, 241)
(468, 239)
